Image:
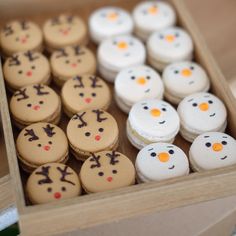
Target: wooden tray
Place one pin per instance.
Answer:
(140, 199)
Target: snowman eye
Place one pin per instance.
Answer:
(148, 77)
(145, 108)
(171, 151)
(153, 154)
(210, 101)
(208, 144)
(224, 142)
(176, 34)
(191, 67)
(132, 77)
(176, 72)
(114, 42)
(194, 104)
(131, 43)
(161, 36)
(100, 173)
(163, 109)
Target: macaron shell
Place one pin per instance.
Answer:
(64, 30)
(86, 92)
(159, 161)
(212, 150)
(93, 134)
(50, 144)
(51, 182)
(107, 176)
(72, 61)
(25, 68)
(34, 106)
(20, 36)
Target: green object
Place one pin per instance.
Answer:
(11, 231)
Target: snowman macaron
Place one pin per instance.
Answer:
(212, 150)
(150, 16)
(159, 161)
(117, 53)
(135, 84)
(152, 121)
(200, 113)
(109, 21)
(169, 45)
(182, 79)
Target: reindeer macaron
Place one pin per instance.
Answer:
(91, 131)
(35, 103)
(85, 92)
(41, 143)
(26, 68)
(51, 182)
(64, 30)
(106, 170)
(71, 61)
(17, 36)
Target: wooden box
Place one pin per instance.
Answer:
(94, 209)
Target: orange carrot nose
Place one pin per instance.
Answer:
(141, 80)
(155, 112)
(170, 38)
(217, 147)
(186, 72)
(153, 10)
(112, 16)
(204, 106)
(122, 45)
(163, 156)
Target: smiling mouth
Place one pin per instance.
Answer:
(146, 91)
(162, 122)
(191, 82)
(172, 167)
(127, 54)
(212, 114)
(223, 158)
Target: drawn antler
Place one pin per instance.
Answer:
(45, 173)
(61, 53)
(49, 130)
(33, 136)
(21, 94)
(14, 60)
(24, 25)
(64, 173)
(80, 83)
(80, 118)
(78, 51)
(99, 113)
(39, 88)
(70, 18)
(8, 30)
(30, 56)
(55, 21)
(94, 81)
(96, 160)
(113, 157)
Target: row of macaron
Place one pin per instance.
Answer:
(109, 170)
(66, 29)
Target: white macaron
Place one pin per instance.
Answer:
(135, 84)
(107, 22)
(182, 79)
(150, 16)
(200, 113)
(117, 53)
(212, 150)
(152, 121)
(169, 45)
(159, 161)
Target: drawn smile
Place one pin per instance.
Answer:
(212, 114)
(162, 122)
(127, 55)
(172, 167)
(191, 82)
(147, 90)
(223, 158)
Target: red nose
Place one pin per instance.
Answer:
(23, 40)
(88, 100)
(73, 65)
(29, 73)
(57, 195)
(46, 148)
(37, 107)
(109, 179)
(97, 137)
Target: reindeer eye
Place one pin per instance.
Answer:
(208, 144)
(29, 105)
(39, 145)
(100, 129)
(41, 102)
(67, 61)
(153, 154)
(93, 94)
(171, 151)
(224, 142)
(79, 60)
(87, 134)
(32, 67)
(145, 108)
(49, 190)
(194, 104)
(50, 142)
(81, 94)
(100, 173)
(20, 72)
(63, 189)
(114, 171)
(27, 35)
